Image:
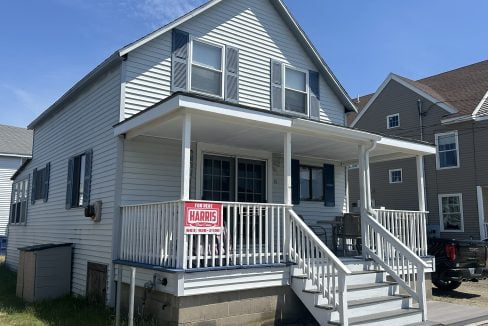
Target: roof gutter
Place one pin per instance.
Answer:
(105, 66)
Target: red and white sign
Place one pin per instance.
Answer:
(203, 218)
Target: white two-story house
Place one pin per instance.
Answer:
(205, 143)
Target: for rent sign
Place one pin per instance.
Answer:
(203, 218)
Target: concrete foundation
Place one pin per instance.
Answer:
(267, 306)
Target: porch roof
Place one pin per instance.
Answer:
(218, 122)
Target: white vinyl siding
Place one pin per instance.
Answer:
(85, 122)
(8, 166)
(256, 29)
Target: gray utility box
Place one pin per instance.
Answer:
(44, 272)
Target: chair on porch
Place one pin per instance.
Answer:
(348, 231)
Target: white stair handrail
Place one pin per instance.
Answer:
(315, 260)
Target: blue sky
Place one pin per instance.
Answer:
(46, 46)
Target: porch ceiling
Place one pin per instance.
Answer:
(223, 124)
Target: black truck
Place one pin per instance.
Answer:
(458, 261)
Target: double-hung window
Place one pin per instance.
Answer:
(79, 180)
(18, 207)
(206, 68)
(40, 183)
(396, 176)
(296, 94)
(311, 183)
(451, 212)
(447, 150)
(393, 121)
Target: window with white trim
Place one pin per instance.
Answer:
(18, 206)
(447, 150)
(296, 94)
(393, 121)
(451, 212)
(396, 176)
(207, 68)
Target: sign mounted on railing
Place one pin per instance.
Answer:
(203, 218)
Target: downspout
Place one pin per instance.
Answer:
(421, 118)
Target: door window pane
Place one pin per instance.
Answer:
(251, 181)
(218, 182)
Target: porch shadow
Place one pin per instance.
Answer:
(453, 294)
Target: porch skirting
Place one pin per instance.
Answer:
(264, 306)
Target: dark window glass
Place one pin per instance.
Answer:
(311, 183)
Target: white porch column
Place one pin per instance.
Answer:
(185, 157)
(481, 212)
(421, 183)
(287, 169)
(363, 197)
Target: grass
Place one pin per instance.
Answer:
(59, 312)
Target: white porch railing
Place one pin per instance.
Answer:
(398, 260)
(318, 263)
(149, 233)
(410, 227)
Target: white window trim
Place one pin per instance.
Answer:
(27, 199)
(438, 162)
(237, 153)
(388, 121)
(222, 67)
(307, 91)
(441, 216)
(391, 179)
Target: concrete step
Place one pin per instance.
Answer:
(398, 317)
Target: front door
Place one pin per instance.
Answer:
(233, 179)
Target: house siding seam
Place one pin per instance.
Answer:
(256, 29)
(8, 166)
(398, 99)
(85, 122)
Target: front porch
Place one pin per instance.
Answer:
(265, 225)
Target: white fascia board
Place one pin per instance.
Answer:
(198, 105)
(16, 155)
(480, 104)
(404, 146)
(168, 27)
(394, 77)
(458, 119)
(316, 128)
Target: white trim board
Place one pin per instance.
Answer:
(402, 82)
(441, 217)
(478, 107)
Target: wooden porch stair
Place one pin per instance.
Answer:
(371, 299)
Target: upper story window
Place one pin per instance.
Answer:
(40, 183)
(451, 212)
(207, 68)
(393, 121)
(311, 183)
(447, 150)
(396, 176)
(18, 206)
(296, 95)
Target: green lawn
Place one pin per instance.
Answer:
(65, 311)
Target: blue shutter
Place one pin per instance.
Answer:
(276, 76)
(69, 183)
(88, 176)
(232, 74)
(47, 173)
(34, 186)
(179, 61)
(314, 85)
(295, 182)
(329, 185)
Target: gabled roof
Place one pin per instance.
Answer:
(462, 90)
(280, 7)
(15, 141)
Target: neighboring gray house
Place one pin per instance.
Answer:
(450, 110)
(15, 149)
(202, 142)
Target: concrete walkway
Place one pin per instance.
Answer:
(443, 313)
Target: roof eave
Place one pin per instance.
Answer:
(106, 65)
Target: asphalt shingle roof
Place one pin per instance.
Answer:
(15, 140)
(462, 88)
